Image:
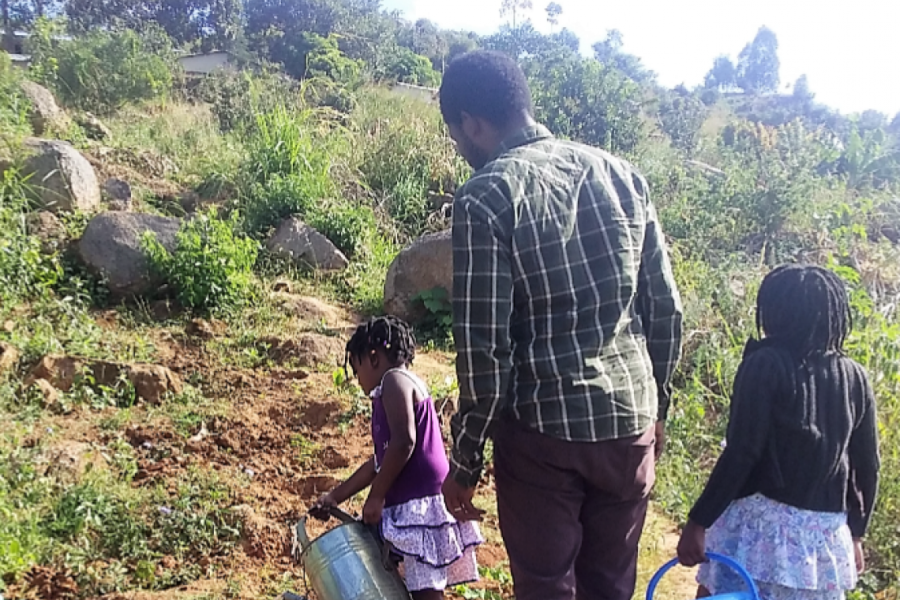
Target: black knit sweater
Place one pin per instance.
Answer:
(801, 432)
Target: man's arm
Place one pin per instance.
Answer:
(482, 307)
(660, 307)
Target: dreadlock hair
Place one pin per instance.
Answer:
(804, 308)
(389, 334)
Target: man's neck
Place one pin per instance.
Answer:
(517, 124)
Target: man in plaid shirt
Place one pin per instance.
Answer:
(568, 326)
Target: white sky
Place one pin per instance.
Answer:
(850, 50)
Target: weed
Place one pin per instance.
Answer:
(438, 322)
(210, 268)
(306, 450)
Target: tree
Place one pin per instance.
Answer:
(554, 10)
(609, 52)
(802, 93)
(23, 13)
(722, 76)
(514, 8)
(758, 65)
(567, 38)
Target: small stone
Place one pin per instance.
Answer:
(9, 357)
(9, 326)
(49, 394)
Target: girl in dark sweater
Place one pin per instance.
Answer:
(792, 494)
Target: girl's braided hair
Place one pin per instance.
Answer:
(389, 334)
(804, 308)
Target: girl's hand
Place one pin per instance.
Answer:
(320, 510)
(692, 545)
(372, 510)
(860, 556)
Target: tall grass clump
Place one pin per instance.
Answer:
(290, 158)
(13, 104)
(403, 152)
(25, 271)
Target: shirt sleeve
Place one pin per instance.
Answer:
(864, 463)
(660, 309)
(749, 421)
(482, 307)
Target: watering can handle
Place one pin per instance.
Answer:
(730, 562)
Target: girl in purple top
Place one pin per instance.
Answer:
(408, 466)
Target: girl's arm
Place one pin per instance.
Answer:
(755, 387)
(864, 463)
(360, 480)
(398, 396)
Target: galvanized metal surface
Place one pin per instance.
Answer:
(346, 564)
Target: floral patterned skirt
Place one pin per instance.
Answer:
(792, 554)
(438, 551)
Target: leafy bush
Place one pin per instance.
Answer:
(348, 226)
(103, 70)
(25, 271)
(211, 265)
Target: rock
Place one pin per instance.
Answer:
(423, 266)
(45, 113)
(231, 440)
(189, 202)
(119, 194)
(203, 329)
(9, 326)
(308, 349)
(302, 244)
(93, 127)
(153, 382)
(63, 179)
(68, 460)
(111, 248)
(49, 394)
(59, 371)
(9, 357)
(47, 227)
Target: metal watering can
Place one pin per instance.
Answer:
(347, 563)
(751, 594)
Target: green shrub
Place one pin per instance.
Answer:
(13, 104)
(348, 226)
(24, 270)
(264, 205)
(211, 265)
(104, 69)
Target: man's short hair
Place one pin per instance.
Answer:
(484, 84)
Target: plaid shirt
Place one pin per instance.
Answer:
(566, 314)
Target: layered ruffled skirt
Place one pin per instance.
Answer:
(792, 554)
(438, 551)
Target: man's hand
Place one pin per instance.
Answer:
(459, 501)
(660, 438)
(372, 510)
(692, 545)
(860, 556)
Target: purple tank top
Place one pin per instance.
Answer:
(424, 474)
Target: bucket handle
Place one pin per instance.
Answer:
(729, 562)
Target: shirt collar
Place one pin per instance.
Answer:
(522, 137)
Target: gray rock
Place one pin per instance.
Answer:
(46, 227)
(111, 247)
(63, 179)
(119, 193)
(425, 265)
(45, 114)
(302, 244)
(93, 127)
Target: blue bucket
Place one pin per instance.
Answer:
(751, 594)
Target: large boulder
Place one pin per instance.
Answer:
(425, 265)
(63, 179)
(297, 241)
(111, 247)
(46, 116)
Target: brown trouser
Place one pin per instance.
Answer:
(571, 514)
